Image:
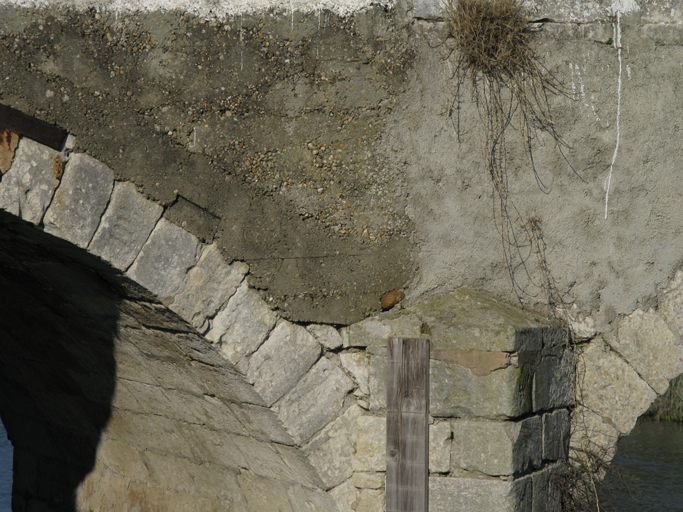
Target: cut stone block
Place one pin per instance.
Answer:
(208, 288)
(428, 9)
(440, 447)
(80, 200)
(363, 480)
(611, 388)
(358, 365)
(456, 392)
(316, 400)
(304, 499)
(27, 188)
(331, 451)
(670, 303)
(554, 369)
(648, 345)
(262, 494)
(371, 500)
(327, 335)
(125, 226)
(345, 496)
(375, 331)
(478, 495)
(242, 326)
(497, 448)
(287, 354)
(165, 260)
(556, 434)
(371, 444)
(466, 319)
(546, 494)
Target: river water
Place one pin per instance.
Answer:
(651, 459)
(5, 471)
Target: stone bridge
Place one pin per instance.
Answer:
(190, 289)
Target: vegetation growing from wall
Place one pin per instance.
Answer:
(495, 59)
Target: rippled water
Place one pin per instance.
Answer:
(651, 458)
(5, 471)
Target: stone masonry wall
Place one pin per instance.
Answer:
(111, 401)
(501, 381)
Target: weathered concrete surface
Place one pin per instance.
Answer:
(248, 146)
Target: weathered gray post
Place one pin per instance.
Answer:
(407, 485)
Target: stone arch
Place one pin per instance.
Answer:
(621, 374)
(111, 400)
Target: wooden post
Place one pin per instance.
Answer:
(407, 484)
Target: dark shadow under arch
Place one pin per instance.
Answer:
(58, 317)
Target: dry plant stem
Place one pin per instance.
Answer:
(508, 83)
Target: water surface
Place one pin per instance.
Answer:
(5, 471)
(651, 459)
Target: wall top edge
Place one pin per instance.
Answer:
(208, 9)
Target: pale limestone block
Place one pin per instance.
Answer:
(363, 480)
(264, 460)
(358, 365)
(169, 472)
(593, 433)
(326, 335)
(467, 319)
(671, 303)
(298, 463)
(208, 288)
(371, 444)
(346, 496)
(287, 354)
(262, 423)
(428, 9)
(80, 200)
(472, 494)
(582, 326)
(440, 438)
(165, 260)
(304, 499)
(611, 388)
(316, 400)
(243, 325)
(27, 188)
(122, 458)
(371, 500)
(331, 451)
(648, 345)
(497, 448)
(214, 480)
(264, 494)
(377, 383)
(125, 226)
(456, 392)
(556, 434)
(375, 331)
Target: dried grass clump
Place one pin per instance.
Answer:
(493, 50)
(492, 37)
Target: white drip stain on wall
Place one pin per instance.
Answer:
(619, 7)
